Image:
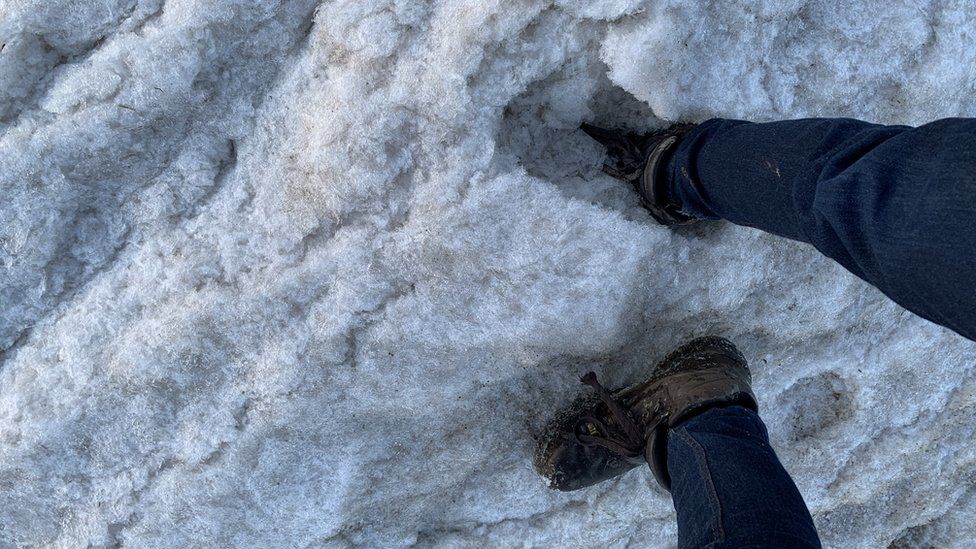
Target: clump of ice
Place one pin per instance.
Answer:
(314, 273)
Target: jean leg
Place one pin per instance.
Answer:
(729, 488)
(895, 205)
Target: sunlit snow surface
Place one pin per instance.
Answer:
(287, 273)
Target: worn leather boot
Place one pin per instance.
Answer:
(605, 434)
(641, 161)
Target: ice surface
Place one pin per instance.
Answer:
(299, 273)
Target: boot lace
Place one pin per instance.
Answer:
(631, 446)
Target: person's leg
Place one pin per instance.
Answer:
(729, 488)
(894, 205)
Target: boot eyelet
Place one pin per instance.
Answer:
(587, 428)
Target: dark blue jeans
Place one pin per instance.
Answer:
(729, 488)
(894, 205)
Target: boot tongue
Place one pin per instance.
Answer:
(633, 444)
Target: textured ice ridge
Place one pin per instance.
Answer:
(304, 273)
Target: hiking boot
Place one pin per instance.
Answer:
(641, 160)
(605, 434)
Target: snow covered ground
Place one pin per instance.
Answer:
(312, 273)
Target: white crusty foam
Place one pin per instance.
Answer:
(297, 273)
